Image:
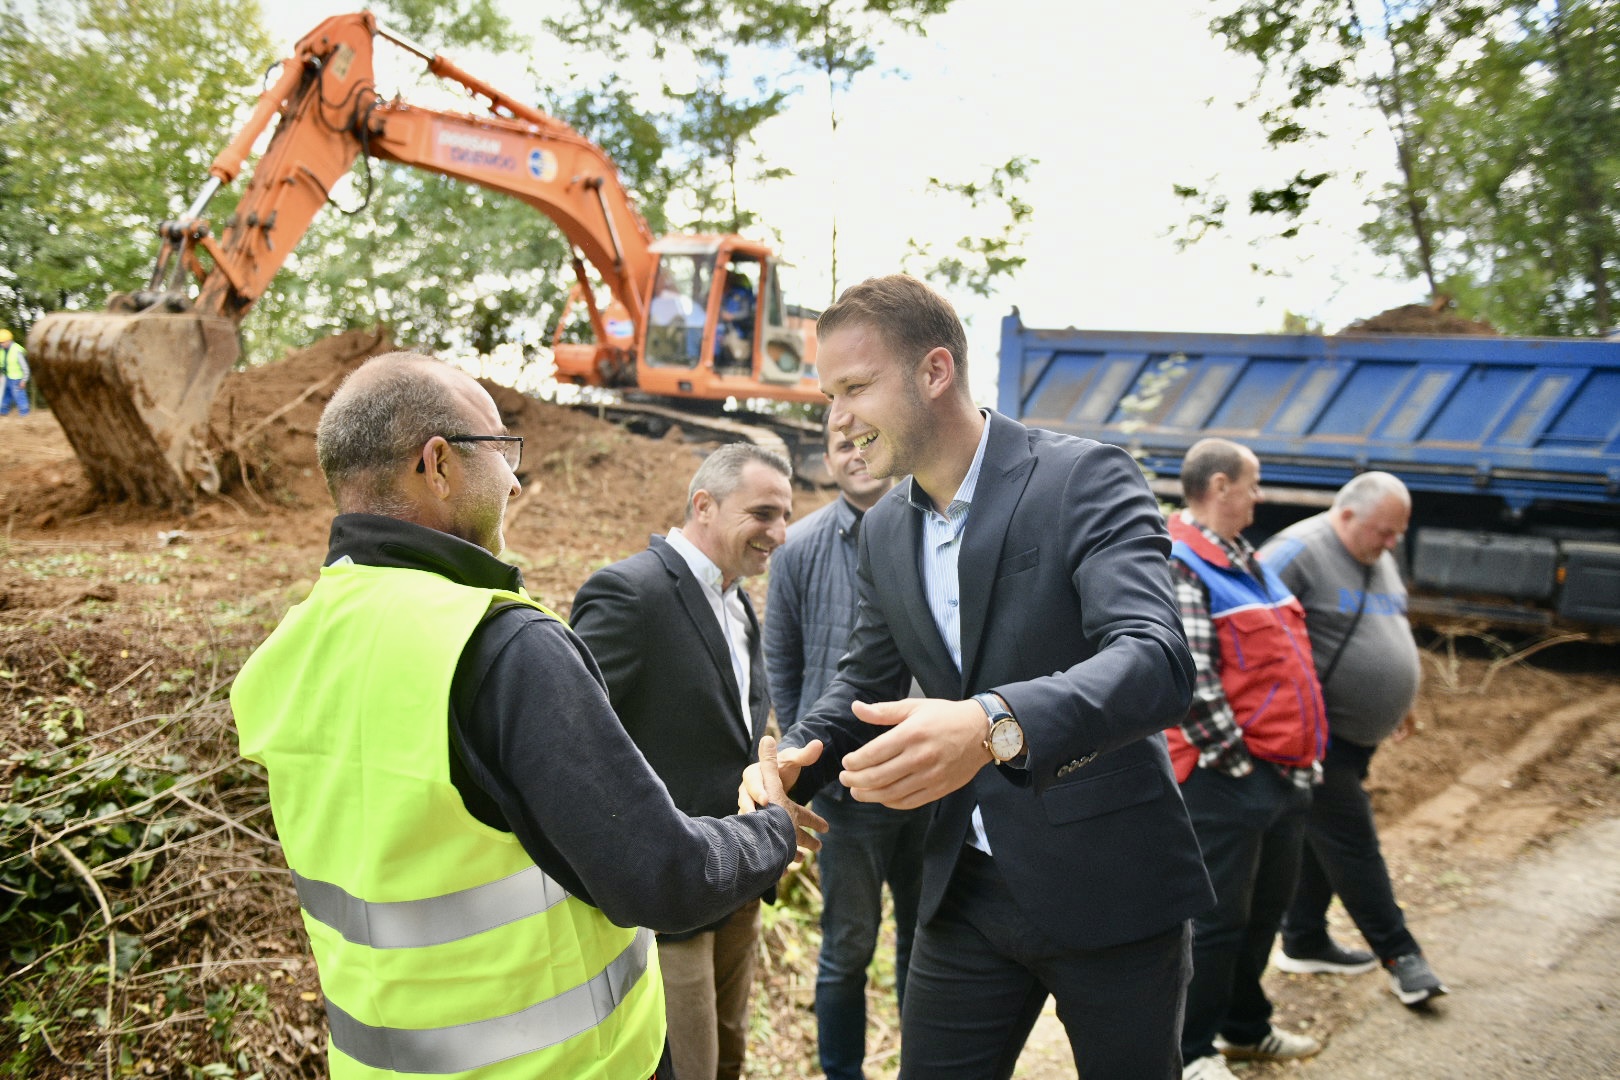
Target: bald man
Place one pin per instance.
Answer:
(474, 837)
(1340, 565)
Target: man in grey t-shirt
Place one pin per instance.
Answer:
(1339, 565)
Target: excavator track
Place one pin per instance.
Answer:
(799, 441)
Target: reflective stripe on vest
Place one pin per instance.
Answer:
(434, 920)
(464, 1047)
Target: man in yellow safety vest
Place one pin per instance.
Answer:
(474, 837)
(14, 364)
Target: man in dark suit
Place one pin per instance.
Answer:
(679, 646)
(1021, 577)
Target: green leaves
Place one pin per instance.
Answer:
(1503, 117)
(112, 113)
(977, 261)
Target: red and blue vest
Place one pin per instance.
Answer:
(1264, 655)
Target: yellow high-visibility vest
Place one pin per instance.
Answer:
(442, 948)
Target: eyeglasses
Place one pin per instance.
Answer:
(510, 446)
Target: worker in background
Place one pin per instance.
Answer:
(1020, 577)
(1246, 756)
(680, 649)
(668, 316)
(734, 338)
(814, 599)
(670, 306)
(14, 362)
(472, 835)
(1339, 564)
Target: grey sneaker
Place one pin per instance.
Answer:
(1208, 1068)
(1333, 959)
(1278, 1045)
(1412, 980)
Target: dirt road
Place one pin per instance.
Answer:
(1534, 979)
(1523, 924)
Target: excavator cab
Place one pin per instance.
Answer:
(678, 309)
(717, 326)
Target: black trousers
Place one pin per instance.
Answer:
(1251, 830)
(1342, 855)
(981, 971)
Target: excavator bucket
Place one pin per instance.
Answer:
(132, 393)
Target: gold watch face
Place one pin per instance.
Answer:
(1006, 740)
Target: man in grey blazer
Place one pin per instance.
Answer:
(1021, 577)
(679, 647)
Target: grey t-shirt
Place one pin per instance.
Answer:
(1376, 679)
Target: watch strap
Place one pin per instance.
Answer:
(993, 708)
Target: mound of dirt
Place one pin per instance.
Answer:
(1421, 319)
(592, 492)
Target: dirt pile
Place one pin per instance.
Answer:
(1421, 319)
(591, 492)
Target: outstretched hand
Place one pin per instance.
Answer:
(933, 747)
(765, 783)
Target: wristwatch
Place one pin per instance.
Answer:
(1006, 739)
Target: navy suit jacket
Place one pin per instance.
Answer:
(1067, 611)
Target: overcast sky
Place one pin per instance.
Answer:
(1117, 101)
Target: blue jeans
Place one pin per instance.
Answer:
(865, 846)
(1342, 855)
(1251, 830)
(15, 391)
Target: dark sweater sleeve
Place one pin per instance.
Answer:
(535, 739)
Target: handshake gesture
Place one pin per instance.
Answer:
(765, 783)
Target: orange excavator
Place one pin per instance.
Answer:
(692, 320)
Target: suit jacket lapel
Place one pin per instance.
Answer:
(895, 553)
(1003, 475)
(696, 603)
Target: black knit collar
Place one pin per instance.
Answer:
(376, 540)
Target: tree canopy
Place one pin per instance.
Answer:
(109, 116)
(1502, 116)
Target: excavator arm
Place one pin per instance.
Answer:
(133, 386)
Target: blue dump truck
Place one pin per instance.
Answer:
(1510, 446)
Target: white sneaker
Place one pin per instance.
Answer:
(1278, 1045)
(1208, 1068)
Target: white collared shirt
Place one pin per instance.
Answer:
(729, 613)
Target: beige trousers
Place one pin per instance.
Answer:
(707, 983)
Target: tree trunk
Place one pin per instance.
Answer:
(1394, 107)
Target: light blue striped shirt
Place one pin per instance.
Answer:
(941, 550)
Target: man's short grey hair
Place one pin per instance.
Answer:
(1369, 489)
(373, 425)
(1207, 457)
(722, 470)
